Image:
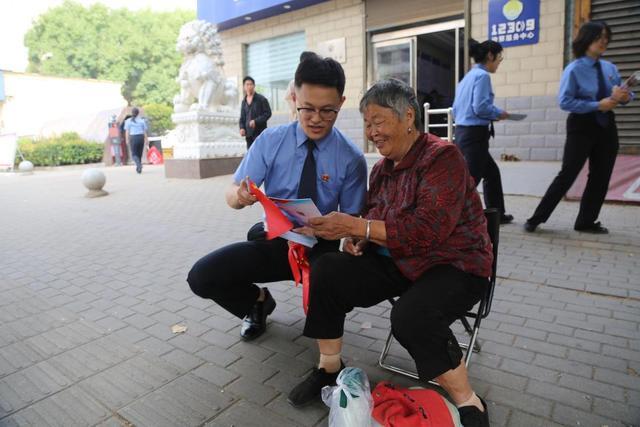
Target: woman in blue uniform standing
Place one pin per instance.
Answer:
(589, 91)
(136, 133)
(474, 114)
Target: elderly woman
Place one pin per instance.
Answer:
(423, 238)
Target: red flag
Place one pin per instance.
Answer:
(277, 222)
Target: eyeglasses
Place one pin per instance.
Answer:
(324, 113)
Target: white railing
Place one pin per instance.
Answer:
(449, 125)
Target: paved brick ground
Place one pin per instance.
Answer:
(89, 289)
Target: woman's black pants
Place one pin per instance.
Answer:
(137, 146)
(420, 318)
(473, 141)
(586, 140)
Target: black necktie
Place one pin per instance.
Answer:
(308, 187)
(601, 117)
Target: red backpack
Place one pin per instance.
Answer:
(401, 407)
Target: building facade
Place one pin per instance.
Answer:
(425, 43)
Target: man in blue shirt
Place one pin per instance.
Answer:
(308, 158)
(590, 89)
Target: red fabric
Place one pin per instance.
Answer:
(300, 270)
(154, 156)
(432, 211)
(277, 222)
(401, 407)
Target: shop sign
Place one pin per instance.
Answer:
(514, 22)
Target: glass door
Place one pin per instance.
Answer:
(395, 59)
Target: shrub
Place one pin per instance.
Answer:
(66, 149)
(159, 116)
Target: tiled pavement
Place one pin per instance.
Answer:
(89, 290)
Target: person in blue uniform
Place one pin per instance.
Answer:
(474, 114)
(306, 158)
(136, 133)
(590, 91)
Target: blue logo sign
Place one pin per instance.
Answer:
(514, 22)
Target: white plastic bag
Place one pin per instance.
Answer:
(350, 400)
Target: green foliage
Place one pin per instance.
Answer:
(66, 149)
(159, 116)
(134, 47)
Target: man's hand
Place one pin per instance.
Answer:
(242, 132)
(354, 246)
(503, 115)
(607, 104)
(245, 198)
(620, 94)
(252, 124)
(335, 225)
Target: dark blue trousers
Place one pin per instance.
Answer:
(473, 141)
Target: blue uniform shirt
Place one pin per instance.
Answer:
(277, 156)
(579, 84)
(473, 105)
(137, 127)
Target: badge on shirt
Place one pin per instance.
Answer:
(324, 177)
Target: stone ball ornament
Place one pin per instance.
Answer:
(94, 180)
(25, 167)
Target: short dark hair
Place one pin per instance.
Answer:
(313, 69)
(480, 51)
(248, 78)
(587, 34)
(395, 95)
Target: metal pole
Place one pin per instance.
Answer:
(426, 117)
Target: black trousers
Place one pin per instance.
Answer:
(586, 140)
(420, 318)
(137, 146)
(473, 141)
(250, 140)
(229, 275)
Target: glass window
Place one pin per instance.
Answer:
(272, 63)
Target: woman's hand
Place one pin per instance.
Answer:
(503, 115)
(354, 246)
(620, 94)
(607, 104)
(335, 225)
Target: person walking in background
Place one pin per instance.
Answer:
(589, 91)
(114, 140)
(474, 114)
(254, 112)
(136, 133)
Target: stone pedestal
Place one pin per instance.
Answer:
(205, 144)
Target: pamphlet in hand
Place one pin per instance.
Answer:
(277, 224)
(300, 210)
(632, 81)
(516, 116)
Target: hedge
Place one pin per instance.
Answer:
(159, 116)
(66, 149)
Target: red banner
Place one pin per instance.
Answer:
(624, 185)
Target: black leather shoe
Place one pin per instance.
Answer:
(530, 226)
(309, 389)
(595, 228)
(255, 323)
(471, 416)
(506, 219)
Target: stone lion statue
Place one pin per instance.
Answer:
(203, 85)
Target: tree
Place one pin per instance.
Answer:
(136, 48)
